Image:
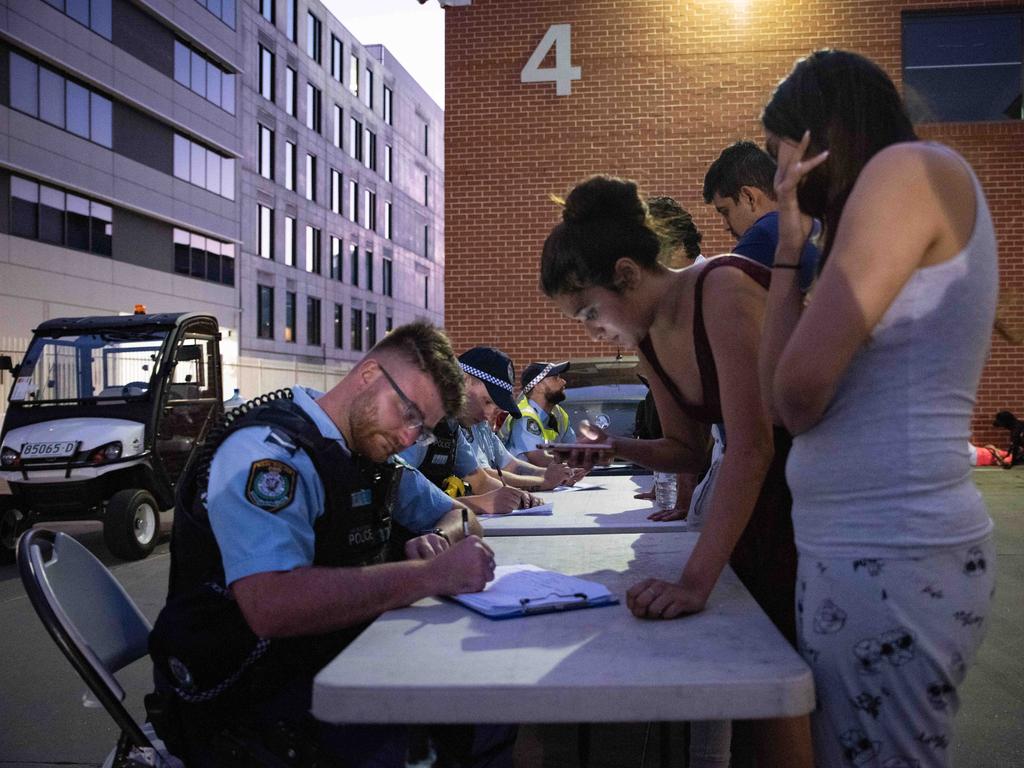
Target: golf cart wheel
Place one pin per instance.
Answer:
(13, 523)
(131, 525)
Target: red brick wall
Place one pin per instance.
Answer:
(666, 84)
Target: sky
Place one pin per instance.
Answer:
(413, 33)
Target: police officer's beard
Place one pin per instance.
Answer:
(367, 439)
(556, 397)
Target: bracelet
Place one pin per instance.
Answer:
(785, 266)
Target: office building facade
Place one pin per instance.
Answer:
(248, 159)
(119, 152)
(342, 188)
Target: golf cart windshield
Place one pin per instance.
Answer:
(100, 367)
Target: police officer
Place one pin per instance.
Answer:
(450, 464)
(489, 384)
(543, 419)
(280, 550)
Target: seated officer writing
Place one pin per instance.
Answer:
(489, 376)
(282, 551)
(449, 464)
(543, 419)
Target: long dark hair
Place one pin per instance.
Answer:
(604, 219)
(851, 108)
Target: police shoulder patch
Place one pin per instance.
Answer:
(271, 485)
(532, 426)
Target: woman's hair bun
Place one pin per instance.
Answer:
(604, 198)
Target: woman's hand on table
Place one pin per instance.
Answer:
(664, 515)
(659, 599)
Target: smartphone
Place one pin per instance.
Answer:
(569, 447)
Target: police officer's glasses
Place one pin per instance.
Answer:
(412, 416)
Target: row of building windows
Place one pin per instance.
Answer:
(204, 167)
(222, 9)
(314, 109)
(363, 326)
(265, 248)
(265, 165)
(94, 14)
(53, 215)
(361, 81)
(364, 143)
(204, 257)
(196, 72)
(47, 95)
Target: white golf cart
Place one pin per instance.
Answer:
(103, 415)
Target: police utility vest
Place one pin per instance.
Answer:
(534, 425)
(201, 643)
(439, 462)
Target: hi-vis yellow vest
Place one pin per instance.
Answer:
(548, 435)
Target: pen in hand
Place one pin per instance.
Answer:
(465, 523)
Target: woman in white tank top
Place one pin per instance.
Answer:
(896, 564)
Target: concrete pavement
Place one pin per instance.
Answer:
(42, 722)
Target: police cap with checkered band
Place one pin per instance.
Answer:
(494, 368)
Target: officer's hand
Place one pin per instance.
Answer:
(556, 474)
(529, 500)
(425, 547)
(465, 567)
(501, 500)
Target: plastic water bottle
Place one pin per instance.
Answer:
(665, 490)
(234, 401)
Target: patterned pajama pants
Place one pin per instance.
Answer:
(889, 640)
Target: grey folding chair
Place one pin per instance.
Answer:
(98, 628)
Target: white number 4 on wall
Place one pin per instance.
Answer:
(563, 73)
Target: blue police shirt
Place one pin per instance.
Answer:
(521, 439)
(254, 540)
(759, 243)
(465, 458)
(489, 450)
(420, 503)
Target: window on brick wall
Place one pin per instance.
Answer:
(963, 67)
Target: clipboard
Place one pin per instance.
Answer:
(526, 590)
